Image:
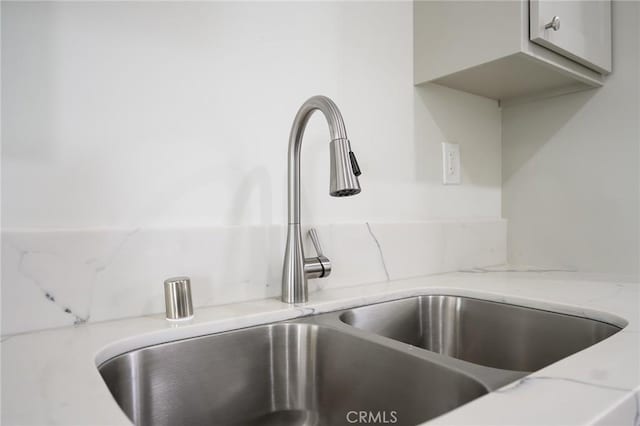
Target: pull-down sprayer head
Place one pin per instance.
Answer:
(344, 167)
(344, 170)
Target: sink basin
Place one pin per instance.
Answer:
(281, 374)
(361, 365)
(487, 333)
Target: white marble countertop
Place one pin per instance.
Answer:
(50, 377)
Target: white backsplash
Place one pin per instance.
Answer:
(61, 278)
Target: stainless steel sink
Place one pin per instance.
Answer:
(332, 368)
(487, 333)
(292, 373)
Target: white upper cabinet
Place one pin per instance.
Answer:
(579, 30)
(513, 50)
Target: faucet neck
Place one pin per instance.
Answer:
(337, 131)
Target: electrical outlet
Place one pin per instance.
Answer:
(450, 163)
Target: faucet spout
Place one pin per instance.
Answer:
(343, 182)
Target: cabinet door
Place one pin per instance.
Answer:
(577, 29)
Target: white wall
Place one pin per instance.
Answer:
(142, 140)
(134, 114)
(571, 183)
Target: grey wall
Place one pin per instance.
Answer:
(571, 188)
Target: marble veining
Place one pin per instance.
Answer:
(101, 266)
(24, 256)
(635, 393)
(72, 277)
(375, 240)
(517, 384)
(48, 295)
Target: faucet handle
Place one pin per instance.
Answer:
(319, 266)
(313, 234)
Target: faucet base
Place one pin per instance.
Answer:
(294, 279)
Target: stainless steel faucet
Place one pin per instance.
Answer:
(343, 183)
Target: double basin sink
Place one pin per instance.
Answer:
(401, 362)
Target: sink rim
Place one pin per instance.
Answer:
(465, 364)
(614, 320)
(195, 328)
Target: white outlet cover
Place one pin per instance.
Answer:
(450, 163)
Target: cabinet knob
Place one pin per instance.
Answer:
(554, 24)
